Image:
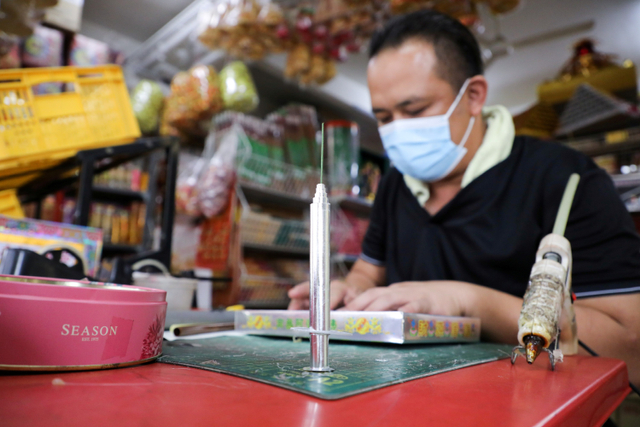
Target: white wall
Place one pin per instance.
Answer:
(114, 39)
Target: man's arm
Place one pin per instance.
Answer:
(609, 325)
(363, 275)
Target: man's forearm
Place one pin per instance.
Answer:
(498, 312)
(363, 276)
(608, 336)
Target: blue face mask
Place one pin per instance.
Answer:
(422, 147)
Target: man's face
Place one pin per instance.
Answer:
(404, 83)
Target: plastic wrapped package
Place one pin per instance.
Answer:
(147, 100)
(237, 87)
(344, 146)
(330, 72)
(184, 245)
(209, 28)
(309, 68)
(240, 12)
(271, 14)
(245, 28)
(195, 96)
(180, 108)
(190, 168)
(219, 174)
(298, 61)
(315, 72)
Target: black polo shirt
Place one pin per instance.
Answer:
(489, 233)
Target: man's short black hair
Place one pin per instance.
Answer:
(456, 48)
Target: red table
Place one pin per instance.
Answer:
(582, 392)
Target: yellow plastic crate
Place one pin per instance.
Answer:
(10, 205)
(94, 112)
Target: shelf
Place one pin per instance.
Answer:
(626, 181)
(266, 196)
(607, 143)
(279, 250)
(353, 204)
(117, 194)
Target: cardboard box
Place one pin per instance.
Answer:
(66, 15)
(371, 326)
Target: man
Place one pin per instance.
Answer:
(456, 224)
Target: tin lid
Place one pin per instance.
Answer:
(44, 287)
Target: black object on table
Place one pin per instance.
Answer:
(23, 262)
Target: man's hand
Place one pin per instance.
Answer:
(361, 277)
(437, 297)
(341, 293)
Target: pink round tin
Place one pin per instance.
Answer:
(49, 324)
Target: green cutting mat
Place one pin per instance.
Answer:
(358, 367)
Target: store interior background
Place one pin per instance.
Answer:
(155, 42)
(513, 79)
(159, 42)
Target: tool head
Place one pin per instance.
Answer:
(533, 346)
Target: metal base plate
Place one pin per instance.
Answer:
(325, 369)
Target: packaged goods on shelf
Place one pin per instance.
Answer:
(121, 225)
(130, 176)
(309, 68)
(301, 127)
(266, 281)
(190, 167)
(43, 49)
(219, 175)
(238, 90)
(368, 180)
(280, 231)
(216, 240)
(195, 97)
(184, 245)
(41, 236)
(86, 52)
(267, 230)
(343, 149)
(247, 29)
(264, 158)
(147, 101)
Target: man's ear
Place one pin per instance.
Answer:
(477, 93)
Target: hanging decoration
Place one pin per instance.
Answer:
(315, 34)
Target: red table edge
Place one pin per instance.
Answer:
(608, 385)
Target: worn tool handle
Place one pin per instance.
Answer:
(565, 205)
